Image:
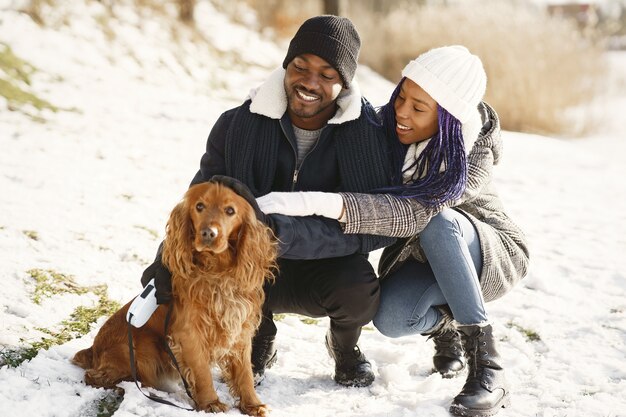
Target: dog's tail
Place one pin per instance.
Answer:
(83, 358)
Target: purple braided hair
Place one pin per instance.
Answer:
(431, 188)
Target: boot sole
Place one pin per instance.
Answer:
(449, 374)
(356, 382)
(459, 410)
(258, 378)
(365, 381)
(272, 360)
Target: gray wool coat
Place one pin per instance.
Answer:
(503, 244)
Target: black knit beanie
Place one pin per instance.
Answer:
(332, 38)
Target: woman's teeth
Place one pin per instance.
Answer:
(402, 127)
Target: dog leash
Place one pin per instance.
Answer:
(133, 369)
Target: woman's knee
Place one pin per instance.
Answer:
(387, 325)
(397, 324)
(443, 225)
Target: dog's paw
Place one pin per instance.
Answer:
(102, 378)
(259, 410)
(214, 407)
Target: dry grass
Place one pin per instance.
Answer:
(539, 68)
(542, 71)
(34, 9)
(284, 16)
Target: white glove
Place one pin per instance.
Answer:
(309, 203)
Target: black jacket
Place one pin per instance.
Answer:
(300, 237)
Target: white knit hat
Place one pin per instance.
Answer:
(456, 80)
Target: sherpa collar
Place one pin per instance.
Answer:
(270, 100)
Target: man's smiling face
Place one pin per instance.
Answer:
(312, 86)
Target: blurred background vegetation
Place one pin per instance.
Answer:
(545, 59)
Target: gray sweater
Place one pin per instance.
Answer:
(503, 245)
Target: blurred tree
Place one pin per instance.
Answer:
(185, 10)
(331, 7)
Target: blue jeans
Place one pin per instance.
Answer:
(409, 295)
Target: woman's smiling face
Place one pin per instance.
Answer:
(416, 114)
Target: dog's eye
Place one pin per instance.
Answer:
(229, 210)
(199, 207)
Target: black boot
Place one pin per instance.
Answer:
(485, 390)
(449, 357)
(263, 356)
(352, 369)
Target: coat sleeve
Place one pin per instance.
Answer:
(315, 237)
(389, 215)
(213, 162)
(299, 237)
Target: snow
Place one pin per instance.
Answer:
(97, 180)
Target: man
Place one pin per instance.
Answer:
(307, 129)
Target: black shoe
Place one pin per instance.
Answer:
(449, 357)
(263, 356)
(485, 392)
(352, 369)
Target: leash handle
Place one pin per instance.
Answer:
(133, 369)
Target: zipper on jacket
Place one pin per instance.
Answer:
(296, 171)
(294, 178)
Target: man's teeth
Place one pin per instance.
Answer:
(306, 97)
(402, 127)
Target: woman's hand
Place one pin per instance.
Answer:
(309, 203)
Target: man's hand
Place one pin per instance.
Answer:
(310, 203)
(162, 279)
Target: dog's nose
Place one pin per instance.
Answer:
(209, 233)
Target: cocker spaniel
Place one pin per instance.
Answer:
(219, 255)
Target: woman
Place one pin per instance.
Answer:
(458, 249)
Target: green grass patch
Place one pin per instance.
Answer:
(18, 76)
(529, 334)
(15, 67)
(152, 232)
(80, 320)
(14, 357)
(18, 97)
(49, 283)
(79, 323)
(31, 234)
(109, 403)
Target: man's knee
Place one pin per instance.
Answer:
(352, 295)
(356, 305)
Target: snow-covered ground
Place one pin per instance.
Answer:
(94, 185)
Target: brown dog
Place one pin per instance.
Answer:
(220, 256)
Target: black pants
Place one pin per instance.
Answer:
(344, 289)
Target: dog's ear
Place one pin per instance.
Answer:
(178, 245)
(256, 250)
